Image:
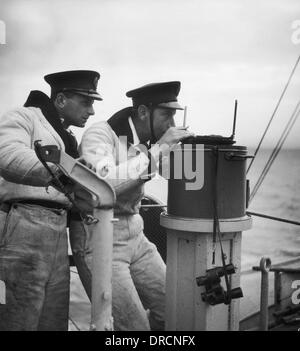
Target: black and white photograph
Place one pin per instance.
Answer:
(149, 168)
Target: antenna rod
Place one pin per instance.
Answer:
(234, 119)
(184, 117)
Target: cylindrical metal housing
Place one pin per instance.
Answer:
(230, 180)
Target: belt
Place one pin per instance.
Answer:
(5, 206)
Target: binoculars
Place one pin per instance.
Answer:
(214, 292)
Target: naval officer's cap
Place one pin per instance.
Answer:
(157, 94)
(80, 82)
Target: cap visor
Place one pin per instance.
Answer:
(94, 96)
(172, 104)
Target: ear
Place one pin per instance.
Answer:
(60, 100)
(143, 112)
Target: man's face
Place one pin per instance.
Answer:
(77, 110)
(163, 119)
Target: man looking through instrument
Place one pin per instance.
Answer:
(138, 278)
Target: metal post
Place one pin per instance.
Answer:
(102, 271)
(189, 247)
(265, 264)
(102, 231)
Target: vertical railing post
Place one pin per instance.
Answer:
(265, 264)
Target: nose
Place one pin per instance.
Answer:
(91, 110)
(171, 122)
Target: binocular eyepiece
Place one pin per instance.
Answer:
(215, 294)
(214, 274)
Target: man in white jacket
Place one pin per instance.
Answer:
(138, 276)
(34, 267)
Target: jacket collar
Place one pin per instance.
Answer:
(120, 125)
(38, 99)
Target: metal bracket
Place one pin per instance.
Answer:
(231, 156)
(80, 174)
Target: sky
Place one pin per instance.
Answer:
(220, 50)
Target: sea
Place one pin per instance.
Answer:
(278, 196)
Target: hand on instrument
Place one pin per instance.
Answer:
(173, 135)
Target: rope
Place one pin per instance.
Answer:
(216, 226)
(75, 325)
(276, 150)
(274, 112)
(273, 218)
(154, 205)
(215, 204)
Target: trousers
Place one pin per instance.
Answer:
(34, 267)
(138, 274)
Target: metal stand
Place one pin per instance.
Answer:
(102, 232)
(189, 247)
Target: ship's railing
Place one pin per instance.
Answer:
(151, 209)
(281, 313)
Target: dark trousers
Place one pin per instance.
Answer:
(34, 267)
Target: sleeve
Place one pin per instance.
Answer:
(98, 147)
(18, 161)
